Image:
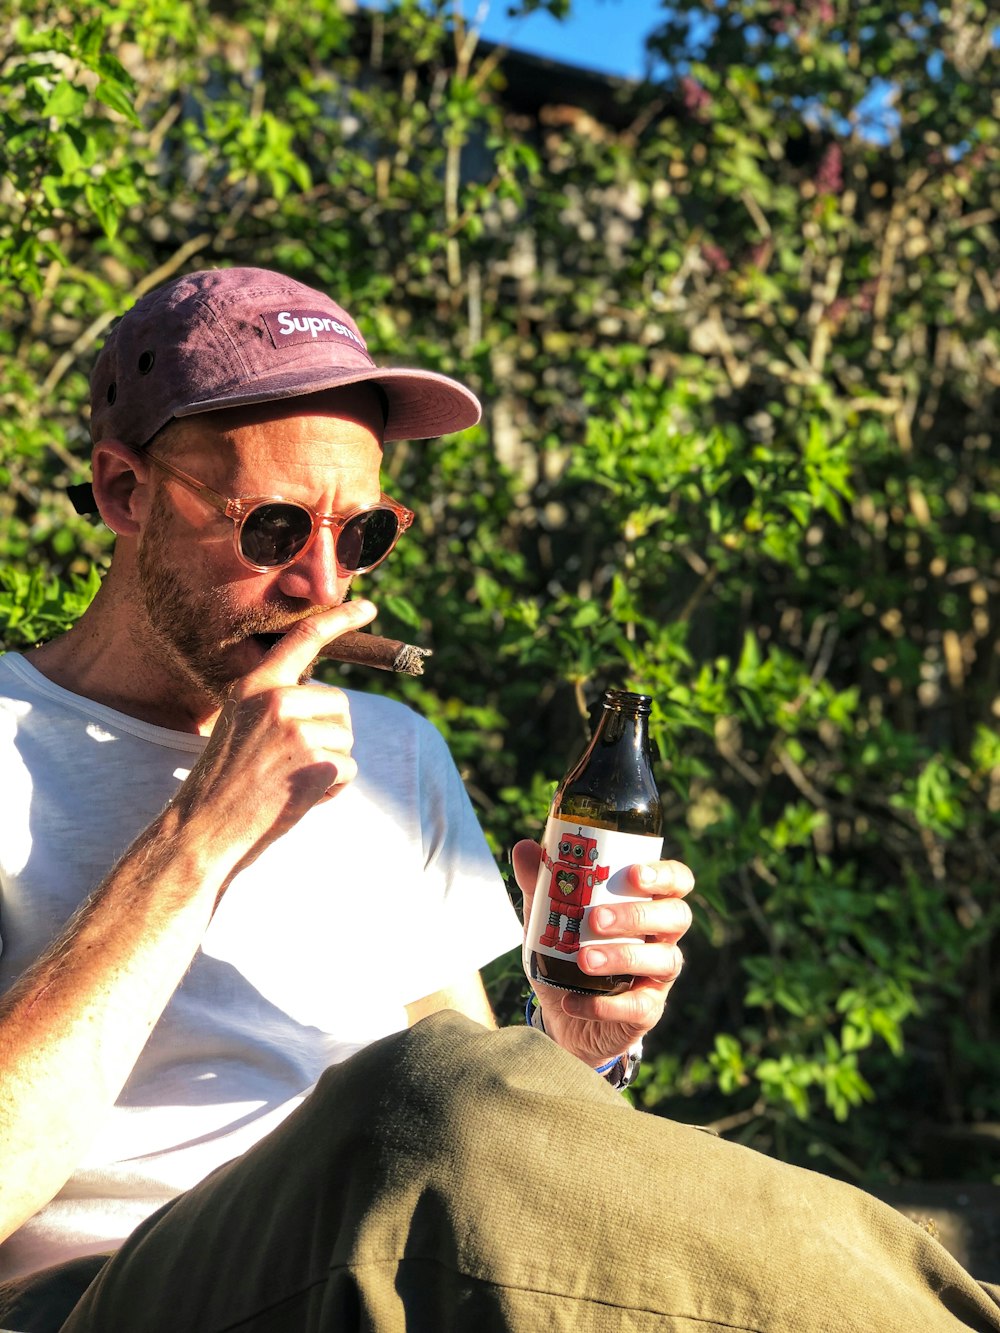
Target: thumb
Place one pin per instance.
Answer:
(525, 858)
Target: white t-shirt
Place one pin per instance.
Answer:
(395, 869)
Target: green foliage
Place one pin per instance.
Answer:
(35, 607)
(736, 338)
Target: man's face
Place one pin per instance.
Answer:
(203, 608)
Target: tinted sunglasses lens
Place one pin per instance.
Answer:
(366, 539)
(273, 534)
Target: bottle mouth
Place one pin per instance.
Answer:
(623, 701)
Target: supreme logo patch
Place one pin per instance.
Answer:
(298, 326)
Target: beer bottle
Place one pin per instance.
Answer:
(605, 816)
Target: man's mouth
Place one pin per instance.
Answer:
(267, 641)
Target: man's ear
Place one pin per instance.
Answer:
(121, 486)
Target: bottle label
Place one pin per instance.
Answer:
(582, 867)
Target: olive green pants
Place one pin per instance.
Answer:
(455, 1179)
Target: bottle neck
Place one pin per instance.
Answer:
(624, 719)
(612, 785)
(617, 728)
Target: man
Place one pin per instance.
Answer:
(218, 877)
(445, 1177)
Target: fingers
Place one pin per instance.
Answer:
(291, 728)
(657, 961)
(637, 937)
(650, 949)
(667, 878)
(291, 741)
(294, 653)
(660, 916)
(632, 1014)
(278, 748)
(343, 772)
(647, 918)
(642, 935)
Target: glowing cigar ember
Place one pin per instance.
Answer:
(373, 650)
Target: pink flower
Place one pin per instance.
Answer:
(830, 172)
(695, 98)
(716, 258)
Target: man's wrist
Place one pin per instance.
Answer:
(533, 1013)
(619, 1071)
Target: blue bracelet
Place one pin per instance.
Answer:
(529, 1011)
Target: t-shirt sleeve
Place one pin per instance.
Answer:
(477, 920)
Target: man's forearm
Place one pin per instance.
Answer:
(73, 1026)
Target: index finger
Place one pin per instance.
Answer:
(662, 879)
(296, 650)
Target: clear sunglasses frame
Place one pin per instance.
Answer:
(238, 509)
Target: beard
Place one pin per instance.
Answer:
(199, 629)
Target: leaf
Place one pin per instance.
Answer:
(403, 610)
(749, 663)
(64, 101)
(587, 615)
(117, 97)
(67, 154)
(103, 206)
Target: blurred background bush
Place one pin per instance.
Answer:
(735, 329)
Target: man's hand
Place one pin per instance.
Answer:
(279, 746)
(599, 1027)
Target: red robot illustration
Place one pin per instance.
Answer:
(571, 885)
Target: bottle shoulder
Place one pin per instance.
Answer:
(640, 814)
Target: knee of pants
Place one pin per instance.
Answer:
(449, 1081)
(426, 1071)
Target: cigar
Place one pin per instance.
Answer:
(373, 650)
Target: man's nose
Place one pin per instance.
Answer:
(313, 577)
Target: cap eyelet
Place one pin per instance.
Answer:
(112, 392)
(146, 362)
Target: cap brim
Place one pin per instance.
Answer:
(422, 403)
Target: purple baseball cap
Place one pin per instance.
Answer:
(228, 337)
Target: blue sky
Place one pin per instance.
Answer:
(606, 35)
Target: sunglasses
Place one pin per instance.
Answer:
(270, 532)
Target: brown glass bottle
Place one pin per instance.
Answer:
(610, 788)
